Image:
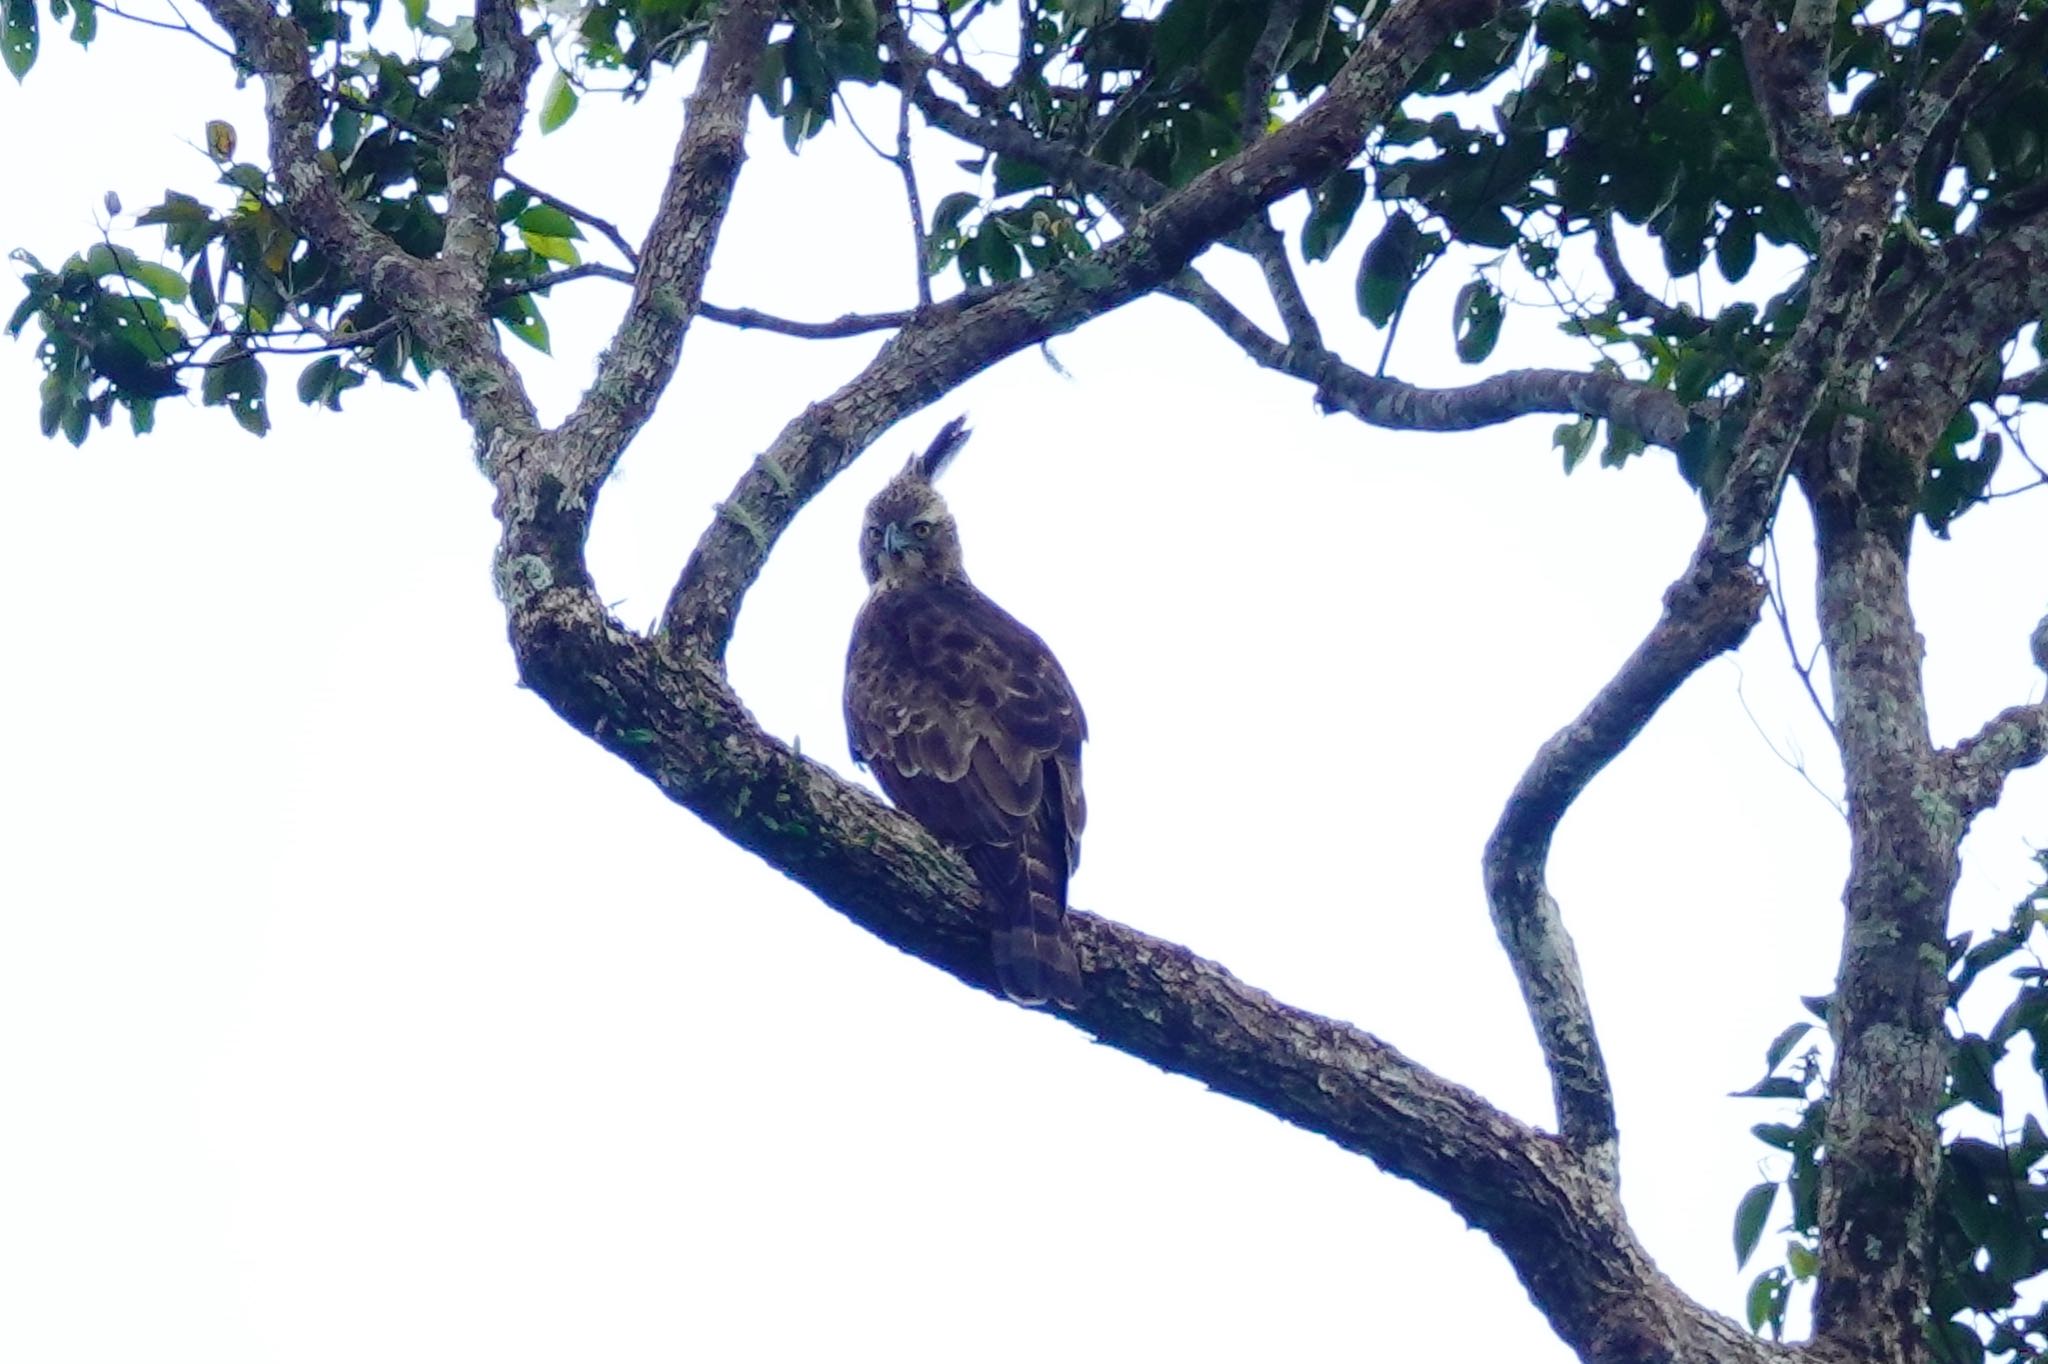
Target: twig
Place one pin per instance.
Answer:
(1774, 594)
(1798, 765)
(182, 26)
(1632, 298)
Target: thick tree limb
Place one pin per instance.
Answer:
(673, 718)
(669, 283)
(2015, 738)
(1788, 71)
(1877, 1189)
(1389, 403)
(483, 136)
(1706, 613)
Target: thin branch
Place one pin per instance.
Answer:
(182, 26)
(1775, 594)
(1632, 298)
(852, 324)
(1263, 242)
(921, 256)
(1389, 403)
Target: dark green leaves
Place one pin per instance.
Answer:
(19, 37)
(1476, 319)
(1393, 262)
(235, 380)
(1749, 1220)
(1332, 206)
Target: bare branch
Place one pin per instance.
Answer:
(1263, 242)
(669, 284)
(2026, 384)
(853, 324)
(920, 252)
(1378, 401)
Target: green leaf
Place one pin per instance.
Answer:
(415, 14)
(1735, 248)
(160, 280)
(1802, 1261)
(203, 298)
(549, 221)
(519, 316)
(1389, 269)
(1749, 1220)
(1574, 439)
(19, 39)
(1332, 206)
(558, 104)
(1764, 1304)
(1475, 321)
(317, 378)
(558, 249)
(1781, 1045)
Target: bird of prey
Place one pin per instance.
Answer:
(970, 725)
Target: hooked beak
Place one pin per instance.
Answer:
(894, 541)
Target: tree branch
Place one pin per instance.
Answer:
(483, 136)
(1261, 68)
(2015, 738)
(669, 283)
(1706, 613)
(673, 718)
(1389, 403)
(1632, 298)
(1788, 71)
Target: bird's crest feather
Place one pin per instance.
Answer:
(929, 465)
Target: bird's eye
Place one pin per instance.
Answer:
(874, 532)
(921, 529)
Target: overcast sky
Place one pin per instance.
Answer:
(353, 1007)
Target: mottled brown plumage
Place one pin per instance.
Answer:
(967, 721)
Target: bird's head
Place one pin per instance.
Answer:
(908, 534)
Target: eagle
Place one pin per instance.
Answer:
(970, 725)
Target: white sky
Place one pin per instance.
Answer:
(353, 1007)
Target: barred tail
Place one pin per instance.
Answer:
(1029, 937)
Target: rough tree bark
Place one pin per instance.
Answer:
(662, 701)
